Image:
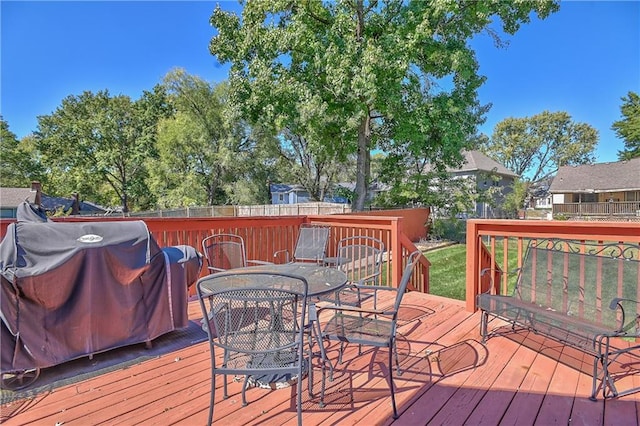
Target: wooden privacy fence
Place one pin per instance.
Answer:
(299, 209)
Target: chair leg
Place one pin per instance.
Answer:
(394, 345)
(244, 391)
(323, 384)
(325, 360)
(391, 385)
(594, 388)
(212, 396)
(310, 364)
(299, 399)
(225, 393)
(484, 317)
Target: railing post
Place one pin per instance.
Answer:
(473, 265)
(396, 252)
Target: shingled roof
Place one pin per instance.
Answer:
(476, 161)
(600, 177)
(12, 197)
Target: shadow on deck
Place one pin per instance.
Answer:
(448, 377)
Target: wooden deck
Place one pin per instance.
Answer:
(449, 378)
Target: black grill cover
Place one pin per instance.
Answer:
(75, 289)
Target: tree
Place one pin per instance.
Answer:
(18, 162)
(514, 200)
(534, 147)
(348, 75)
(207, 155)
(628, 128)
(98, 144)
(308, 164)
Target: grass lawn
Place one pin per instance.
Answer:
(447, 275)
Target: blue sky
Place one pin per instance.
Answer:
(581, 60)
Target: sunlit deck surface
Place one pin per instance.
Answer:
(449, 378)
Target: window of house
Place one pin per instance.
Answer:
(7, 213)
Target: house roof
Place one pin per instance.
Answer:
(50, 203)
(476, 161)
(283, 187)
(600, 177)
(12, 197)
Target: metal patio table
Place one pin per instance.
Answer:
(321, 280)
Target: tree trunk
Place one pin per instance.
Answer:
(364, 132)
(363, 163)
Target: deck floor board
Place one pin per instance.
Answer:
(449, 377)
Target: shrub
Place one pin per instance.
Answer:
(451, 229)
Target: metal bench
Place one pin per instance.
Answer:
(581, 294)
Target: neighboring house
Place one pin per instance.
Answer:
(72, 205)
(11, 198)
(540, 197)
(288, 194)
(485, 173)
(296, 194)
(602, 189)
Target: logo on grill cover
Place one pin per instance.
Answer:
(90, 238)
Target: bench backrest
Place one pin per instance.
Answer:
(580, 278)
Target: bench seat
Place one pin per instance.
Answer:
(573, 331)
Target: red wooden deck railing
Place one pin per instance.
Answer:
(265, 235)
(485, 237)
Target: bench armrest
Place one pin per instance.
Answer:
(627, 325)
(615, 302)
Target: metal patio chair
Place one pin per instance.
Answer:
(224, 252)
(256, 321)
(368, 327)
(311, 245)
(360, 257)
